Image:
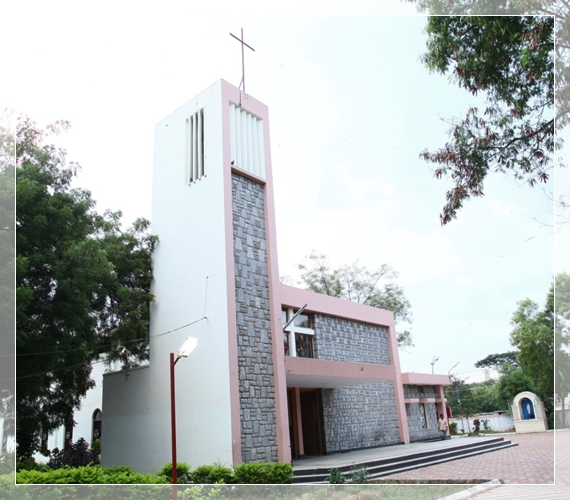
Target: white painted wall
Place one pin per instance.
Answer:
(83, 417)
(495, 422)
(189, 221)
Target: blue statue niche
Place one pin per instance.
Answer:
(527, 409)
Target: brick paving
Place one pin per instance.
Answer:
(561, 489)
(532, 462)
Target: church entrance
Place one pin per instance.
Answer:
(305, 422)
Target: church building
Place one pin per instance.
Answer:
(258, 386)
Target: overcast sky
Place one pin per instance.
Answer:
(351, 107)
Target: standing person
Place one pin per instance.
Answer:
(442, 426)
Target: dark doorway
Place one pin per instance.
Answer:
(311, 422)
(305, 422)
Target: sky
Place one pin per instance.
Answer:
(351, 108)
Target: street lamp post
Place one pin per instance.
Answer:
(185, 349)
(435, 358)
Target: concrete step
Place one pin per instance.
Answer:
(387, 466)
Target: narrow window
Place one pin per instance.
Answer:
(97, 421)
(195, 146)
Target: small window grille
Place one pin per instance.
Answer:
(195, 146)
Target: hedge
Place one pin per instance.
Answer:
(90, 474)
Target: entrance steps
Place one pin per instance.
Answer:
(401, 462)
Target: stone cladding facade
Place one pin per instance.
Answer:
(255, 359)
(414, 411)
(338, 339)
(359, 416)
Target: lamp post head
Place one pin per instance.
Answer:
(187, 347)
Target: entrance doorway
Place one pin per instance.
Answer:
(305, 422)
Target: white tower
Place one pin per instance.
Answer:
(215, 269)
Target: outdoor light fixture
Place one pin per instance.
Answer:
(183, 352)
(187, 347)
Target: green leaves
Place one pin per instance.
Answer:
(358, 284)
(82, 287)
(533, 336)
(511, 60)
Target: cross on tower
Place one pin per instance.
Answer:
(242, 58)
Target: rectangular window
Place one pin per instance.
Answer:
(303, 320)
(304, 345)
(299, 337)
(195, 146)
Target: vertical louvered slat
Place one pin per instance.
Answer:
(255, 147)
(194, 148)
(261, 149)
(200, 138)
(188, 172)
(233, 152)
(244, 160)
(239, 159)
(248, 120)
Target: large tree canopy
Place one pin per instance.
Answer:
(358, 284)
(82, 287)
(533, 336)
(511, 60)
(562, 338)
(7, 252)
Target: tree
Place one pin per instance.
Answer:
(512, 381)
(7, 256)
(511, 59)
(82, 287)
(533, 336)
(358, 284)
(562, 340)
(496, 361)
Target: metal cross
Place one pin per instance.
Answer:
(242, 57)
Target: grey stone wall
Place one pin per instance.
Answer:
(414, 412)
(360, 416)
(338, 339)
(255, 361)
(420, 391)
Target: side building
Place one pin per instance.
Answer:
(259, 387)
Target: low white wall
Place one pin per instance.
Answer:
(499, 423)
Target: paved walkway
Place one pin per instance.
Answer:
(532, 462)
(561, 489)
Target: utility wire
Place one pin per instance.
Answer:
(105, 345)
(95, 362)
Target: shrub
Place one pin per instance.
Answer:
(359, 474)
(95, 450)
(212, 474)
(252, 473)
(263, 473)
(76, 455)
(279, 473)
(336, 477)
(453, 428)
(476, 425)
(200, 493)
(26, 464)
(182, 472)
(91, 474)
(7, 462)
